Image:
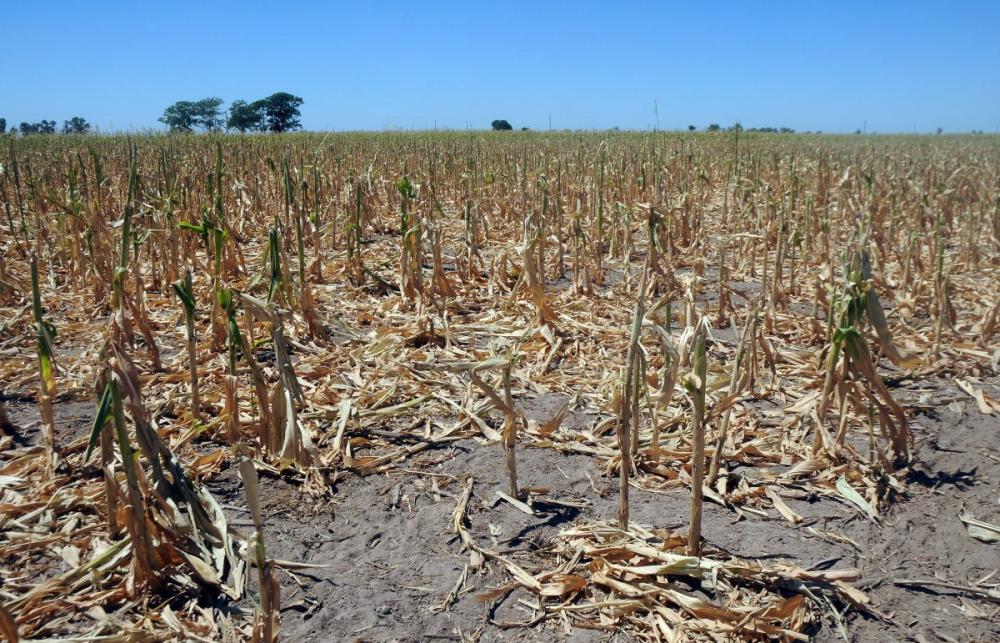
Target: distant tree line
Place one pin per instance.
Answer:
(41, 127)
(277, 113)
(736, 127)
(75, 125)
(501, 125)
(772, 130)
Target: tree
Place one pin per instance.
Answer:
(208, 114)
(281, 111)
(768, 130)
(691, 128)
(180, 117)
(244, 116)
(501, 125)
(185, 115)
(714, 127)
(3, 125)
(41, 127)
(76, 125)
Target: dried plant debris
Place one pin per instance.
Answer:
(740, 329)
(645, 581)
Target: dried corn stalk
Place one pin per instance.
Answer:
(628, 425)
(44, 334)
(290, 441)
(185, 292)
(695, 384)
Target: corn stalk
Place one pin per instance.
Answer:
(184, 290)
(628, 414)
(695, 384)
(44, 334)
(295, 446)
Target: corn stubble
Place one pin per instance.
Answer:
(334, 306)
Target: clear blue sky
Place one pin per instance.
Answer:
(901, 66)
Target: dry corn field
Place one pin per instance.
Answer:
(500, 386)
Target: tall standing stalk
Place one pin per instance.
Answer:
(185, 292)
(287, 438)
(939, 286)
(267, 619)
(627, 423)
(143, 563)
(44, 333)
(352, 234)
(409, 254)
(266, 627)
(695, 385)
(315, 221)
(724, 305)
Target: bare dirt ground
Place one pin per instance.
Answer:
(386, 557)
(383, 557)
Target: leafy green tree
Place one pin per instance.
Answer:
(208, 113)
(180, 117)
(281, 111)
(714, 127)
(501, 125)
(76, 125)
(691, 128)
(3, 125)
(41, 127)
(185, 115)
(245, 117)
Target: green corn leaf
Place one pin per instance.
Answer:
(219, 237)
(186, 299)
(102, 418)
(184, 292)
(274, 252)
(405, 188)
(225, 297)
(192, 227)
